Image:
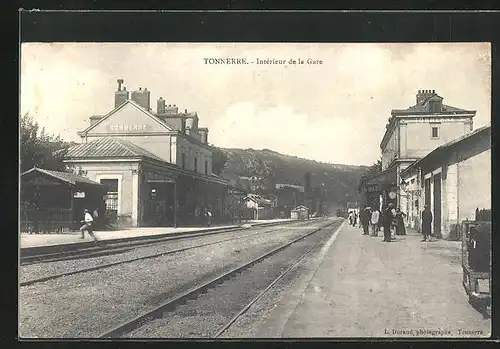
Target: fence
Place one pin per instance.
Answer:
(44, 221)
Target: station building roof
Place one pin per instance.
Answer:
(109, 147)
(69, 178)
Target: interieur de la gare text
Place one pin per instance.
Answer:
(269, 61)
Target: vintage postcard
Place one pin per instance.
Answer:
(255, 190)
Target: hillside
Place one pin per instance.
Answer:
(340, 181)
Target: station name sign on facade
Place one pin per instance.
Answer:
(128, 128)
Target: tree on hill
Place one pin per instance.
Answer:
(375, 168)
(219, 159)
(372, 170)
(38, 148)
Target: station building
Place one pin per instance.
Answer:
(409, 136)
(454, 180)
(157, 166)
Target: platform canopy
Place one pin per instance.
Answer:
(382, 178)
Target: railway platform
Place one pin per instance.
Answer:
(32, 241)
(363, 287)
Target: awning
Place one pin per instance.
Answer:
(382, 178)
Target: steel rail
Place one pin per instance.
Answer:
(245, 309)
(193, 293)
(108, 265)
(252, 302)
(108, 247)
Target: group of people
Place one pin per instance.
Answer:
(391, 220)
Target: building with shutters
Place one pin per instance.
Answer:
(157, 165)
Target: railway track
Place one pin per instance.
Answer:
(164, 311)
(108, 265)
(104, 248)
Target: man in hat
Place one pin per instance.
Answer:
(365, 219)
(387, 222)
(88, 221)
(426, 223)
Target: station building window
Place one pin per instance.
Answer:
(434, 131)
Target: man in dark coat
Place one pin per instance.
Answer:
(365, 220)
(387, 221)
(426, 223)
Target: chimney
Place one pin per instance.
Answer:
(204, 135)
(160, 106)
(422, 95)
(171, 110)
(120, 82)
(121, 96)
(142, 97)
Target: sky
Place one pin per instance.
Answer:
(331, 112)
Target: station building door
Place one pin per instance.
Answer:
(159, 209)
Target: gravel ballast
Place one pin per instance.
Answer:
(204, 316)
(263, 319)
(260, 321)
(87, 304)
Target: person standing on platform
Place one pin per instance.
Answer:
(400, 224)
(88, 221)
(97, 221)
(393, 223)
(375, 221)
(351, 218)
(387, 222)
(209, 218)
(426, 223)
(364, 218)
